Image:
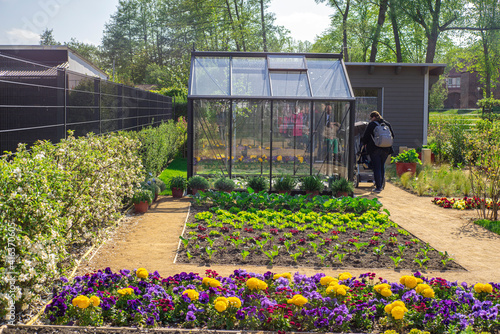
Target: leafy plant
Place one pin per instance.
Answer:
(258, 183)
(396, 260)
(178, 182)
(158, 182)
(224, 184)
(198, 182)
(285, 183)
(340, 185)
(408, 156)
(142, 195)
(311, 183)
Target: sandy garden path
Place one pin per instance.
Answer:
(150, 240)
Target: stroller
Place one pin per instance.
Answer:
(363, 171)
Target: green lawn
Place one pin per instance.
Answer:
(493, 226)
(178, 167)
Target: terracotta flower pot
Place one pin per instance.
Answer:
(312, 193)
(177, 192)
(141, 207)
(403, 167)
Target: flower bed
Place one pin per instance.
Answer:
(277, 302)
(298, 231)
(463, 203)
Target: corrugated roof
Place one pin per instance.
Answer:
(42, 72)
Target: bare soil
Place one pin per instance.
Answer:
(151, 241)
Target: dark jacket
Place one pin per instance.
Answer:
(367, 138)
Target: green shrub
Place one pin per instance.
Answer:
(311, 183)
(493, 226)
(285, 183)
(54, 202)
(258, 183)
(161, 144)
(178, 182)
(198, 182)
(158, 182)
(224, 184)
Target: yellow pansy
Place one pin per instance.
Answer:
(192, 294)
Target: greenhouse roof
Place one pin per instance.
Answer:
(312, 76)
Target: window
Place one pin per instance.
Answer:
(453, 82)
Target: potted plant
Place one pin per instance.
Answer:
(151, 186)
(159, 182)
(178, 185)
(257, 183)
(312, 185)
(197, 183)
(341, 187)
(406, 162)
(284, 184)
(141, 199)
(224, 184)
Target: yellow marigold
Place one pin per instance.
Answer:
(220, 306)
(428, 293)
(206, 281)
(95, 301)
(397, 312)
(488, 288)
(223, 300)
(337, 289)
(419, 280)
(142, 273)
(379, 287)
(421, 287)
(260, 159)
(285, 275)
(298, 300)
(126, 291)
(262, 285)
(192, 294)
(409, 281)
(341, 291)
(234, 301)
(326, 280)
(279, 158)
(386, 292)
(398, 303)
(344, 276)
(81, 301)
(388, 308)
(479, 287)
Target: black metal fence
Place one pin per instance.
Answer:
(40, 102)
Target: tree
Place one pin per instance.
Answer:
(434, 16)
(342, 7)
(380, 22)
(47, 38)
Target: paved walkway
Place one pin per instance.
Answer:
(151, 240)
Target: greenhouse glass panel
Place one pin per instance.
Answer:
(327, 78)
(289, 84)
(330, 141)
(210, 76)
(291, 124)
(251, 137)
(286, 62)
(211, 136)
(249, 77)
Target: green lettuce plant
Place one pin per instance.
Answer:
(408, 156)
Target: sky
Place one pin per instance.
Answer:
(22, 21)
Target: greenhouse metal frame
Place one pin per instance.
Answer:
(270, 114)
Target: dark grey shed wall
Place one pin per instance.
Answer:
(403, 99)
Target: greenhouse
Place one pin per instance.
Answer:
(270, 114)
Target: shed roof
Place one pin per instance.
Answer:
(268, 75)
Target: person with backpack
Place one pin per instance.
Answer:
(378, 139)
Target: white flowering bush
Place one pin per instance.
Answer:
(54, 201)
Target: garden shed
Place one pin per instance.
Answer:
(270, 114)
